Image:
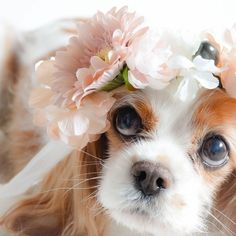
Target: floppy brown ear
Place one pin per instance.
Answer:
(225, 210)
(65, 203)
(221, 108)
(9, 68)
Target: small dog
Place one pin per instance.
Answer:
(163, 168)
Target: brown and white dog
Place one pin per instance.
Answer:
(163, 168)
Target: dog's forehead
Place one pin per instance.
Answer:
(173, 115)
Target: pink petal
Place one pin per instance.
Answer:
(41, 97)
(97, 63)
(44, 72)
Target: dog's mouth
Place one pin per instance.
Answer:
(140, 213)
(138, 218)
(137, 211)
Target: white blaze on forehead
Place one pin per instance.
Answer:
(174, 116)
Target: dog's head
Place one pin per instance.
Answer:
(167, 161)
(164, 167)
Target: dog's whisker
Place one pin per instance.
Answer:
(91, 196)
(226, 217)
(222, 224)
(92, 173)
(85, 180)
(215, 227)
(100, 211)
(233, 175)
(85, 188)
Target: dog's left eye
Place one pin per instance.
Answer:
(127, 121)
(214, 151)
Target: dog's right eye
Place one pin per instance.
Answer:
(214, 151)
(127, 121)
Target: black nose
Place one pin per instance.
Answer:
(150, 178)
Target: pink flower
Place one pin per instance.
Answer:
(69, 102)
(227, 48)
(228, 61)
(77, 124)
(97, 55)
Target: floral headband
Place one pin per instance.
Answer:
(111, 50)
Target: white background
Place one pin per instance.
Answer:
(185, 14)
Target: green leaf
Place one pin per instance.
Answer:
(115, 83)
(120, 79)
(126, 79)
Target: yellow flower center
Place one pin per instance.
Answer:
(103, 54)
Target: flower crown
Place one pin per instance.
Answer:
(115, 49)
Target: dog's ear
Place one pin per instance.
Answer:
(224, 112)
(225, 209)
(9, 69)
(66, 200)
(39, 214)
(219, 110)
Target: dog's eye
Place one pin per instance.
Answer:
(127, 121)
(214, 151)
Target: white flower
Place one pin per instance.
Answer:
(147, 62)
(194, 75)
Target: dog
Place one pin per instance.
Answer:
(163, 168)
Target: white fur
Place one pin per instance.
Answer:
(168, 146)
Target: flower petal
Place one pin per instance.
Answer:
(41, 97)
(180, 62)
(202, 64)
(187, 89)
(137, 80)
(206, 79)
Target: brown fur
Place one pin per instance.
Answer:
(66, 203)
(217, 113)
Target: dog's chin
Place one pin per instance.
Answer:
(141, 221)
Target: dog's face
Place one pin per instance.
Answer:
(167, 160)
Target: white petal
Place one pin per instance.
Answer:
(66, 126)
(187, 89)
(205, 65)
(135, 82)
(157, 83)
(207, 80)
(180, 62)
(80, 124)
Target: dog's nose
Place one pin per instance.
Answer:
(150, 178)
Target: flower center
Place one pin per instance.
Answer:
(103, 54)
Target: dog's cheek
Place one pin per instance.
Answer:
(116, 181)
(186, 202)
